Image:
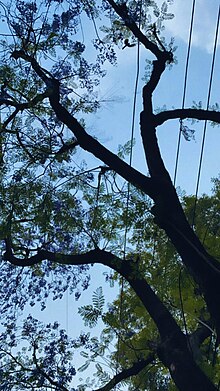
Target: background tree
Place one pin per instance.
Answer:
(134, 328)
(56, 220)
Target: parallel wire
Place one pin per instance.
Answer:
(185, 85)
(205, 124)
(131, 153)
(203, 140)
(178, 146)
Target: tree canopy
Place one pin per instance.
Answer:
(59, 217)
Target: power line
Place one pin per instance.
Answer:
(128, 189)
(132, 141)
(207, 107)
(203, 140)
(184, 87)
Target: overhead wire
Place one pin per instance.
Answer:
(179, 139)
(185, 86)
(203, 139)
(205, 123)
(131, 152)
(179, 144)
(129, 185)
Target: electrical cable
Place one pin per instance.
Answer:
(184, 87)
(132, 139)
(179, 142)
(204, 133)
(205, 124)
(128, 188)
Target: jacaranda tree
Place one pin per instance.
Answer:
(59, 217)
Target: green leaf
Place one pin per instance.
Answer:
(84, 366)
(98, 299)
(84, 354)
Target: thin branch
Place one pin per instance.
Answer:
(67, 147)
(9, 119)
(16, 361)
(25, 105)
(45, 375)
(124, 374)
(24, 147)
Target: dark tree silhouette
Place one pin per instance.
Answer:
(45, 95)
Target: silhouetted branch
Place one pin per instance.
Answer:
(86, 141)
(44, 374)
(123, 11)
(198, 114)
(124, 374)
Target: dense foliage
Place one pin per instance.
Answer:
(62, 211)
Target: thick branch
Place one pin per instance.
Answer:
(173, 350)
(92, 256)
(148, 131)
(91, 145)
(86, 141)
(196, 339)
(124, 374)
(164, 116)
(42, 73)
(127, 268)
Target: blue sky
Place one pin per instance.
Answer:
(112, 124)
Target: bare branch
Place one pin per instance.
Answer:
(148, 131)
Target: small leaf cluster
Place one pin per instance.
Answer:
(91, 313)
(40, 356)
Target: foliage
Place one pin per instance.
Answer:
(60, 214)
(91, 313)
(134, 327)
(44, 359)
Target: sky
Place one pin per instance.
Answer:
(112, 129)
(112, 124)
(205, 15)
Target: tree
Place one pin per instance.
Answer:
(136, 331)
(53, 216)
